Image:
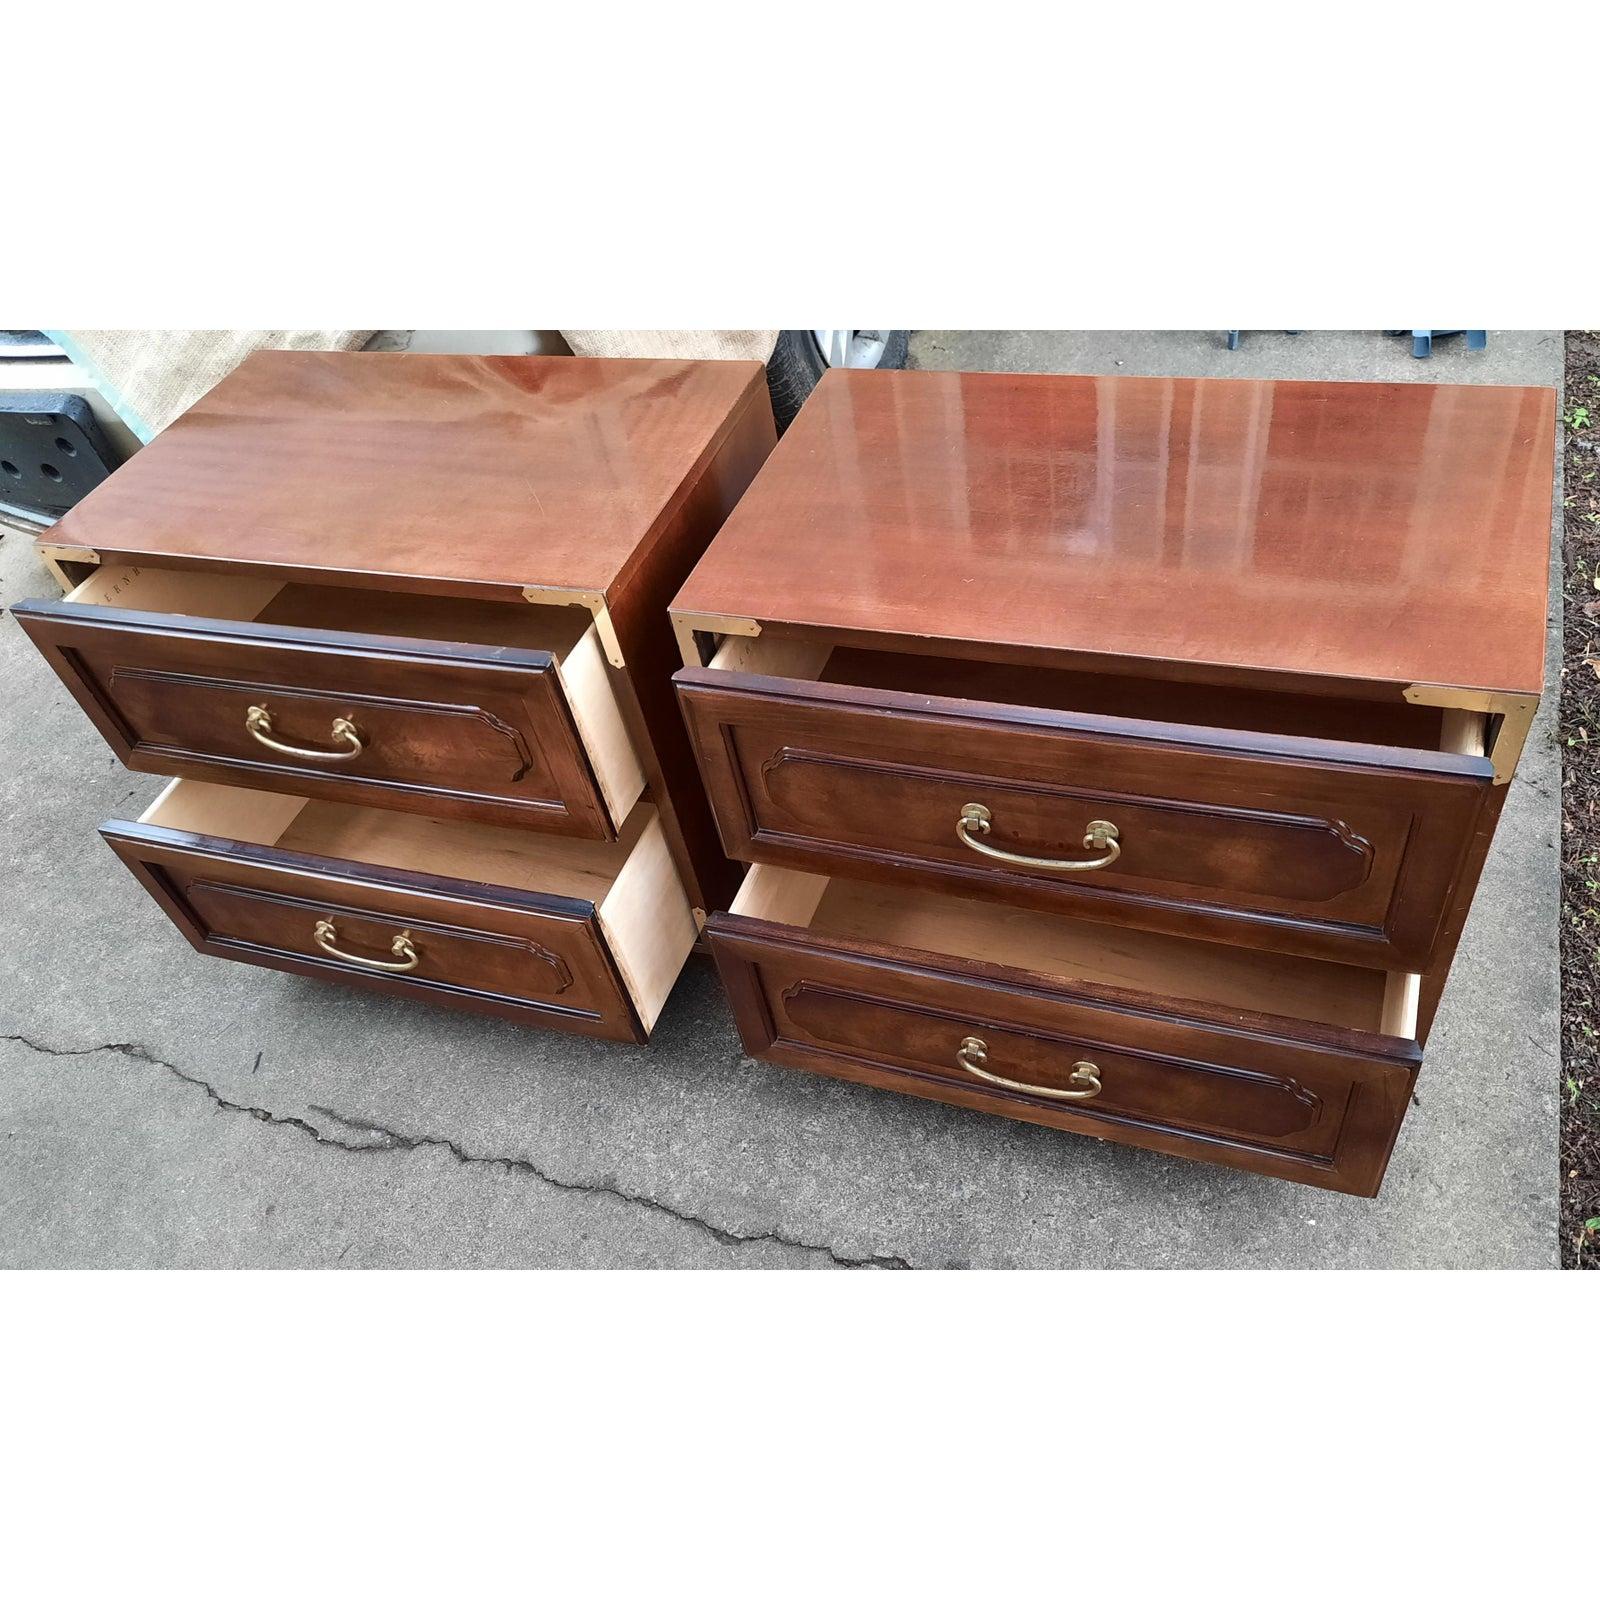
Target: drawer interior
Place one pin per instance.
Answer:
(566, 633)
(1108, 694)
(1080, 951)
(638, 899)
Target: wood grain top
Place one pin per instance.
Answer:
(1387, 533)
(432, 472)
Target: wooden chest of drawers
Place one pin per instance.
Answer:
(397, 625)
(1121, 754)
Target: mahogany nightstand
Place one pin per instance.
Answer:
(1121, 754)
(397, 625)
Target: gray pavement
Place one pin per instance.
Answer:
(158, 1109)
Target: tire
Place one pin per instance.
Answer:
(796, 365)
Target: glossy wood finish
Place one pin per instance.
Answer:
(441, 473)
(1342, 850)
(448, 729)
(1369, 534)
(1301, 1100)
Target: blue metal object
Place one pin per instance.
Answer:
(1422, 339)
(1234, 334)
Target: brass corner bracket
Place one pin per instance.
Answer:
(1515, 711)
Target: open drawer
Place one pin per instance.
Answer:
(464, 708)
(1278, 1064)
(584, 936)
(1323, 826)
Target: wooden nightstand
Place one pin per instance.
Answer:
(1121, 754)
(397, 625)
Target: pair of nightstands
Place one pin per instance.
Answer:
(1114, 754)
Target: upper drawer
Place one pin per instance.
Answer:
(460, 708)
(1251, 828)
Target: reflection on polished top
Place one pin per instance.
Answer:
(1394, 533)
(459, 471)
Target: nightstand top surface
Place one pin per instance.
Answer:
(1391, 533)
(439, 471)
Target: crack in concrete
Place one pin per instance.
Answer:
(379, 1140)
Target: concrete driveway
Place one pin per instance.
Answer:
(157, 1109)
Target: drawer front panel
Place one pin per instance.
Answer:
(1318, 1105)
(1155, 1089)
(444, 952)
(442, 729)
(521, 956)
(1291, 844)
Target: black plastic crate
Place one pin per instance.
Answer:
(52, 452)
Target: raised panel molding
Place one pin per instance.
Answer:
(557, 979)
(1252, 1105)
(1329, 859)
(521, 755)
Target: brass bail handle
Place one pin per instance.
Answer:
(975, 820)
(325, 934)
(258, 724)
(1085, 1074)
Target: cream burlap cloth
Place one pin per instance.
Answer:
(694, 344)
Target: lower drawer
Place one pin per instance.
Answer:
(579, 935)
(1278, 1064)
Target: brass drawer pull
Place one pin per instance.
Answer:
(258, 723)
(974, 820)
(1085, 1074)
(326, 933)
